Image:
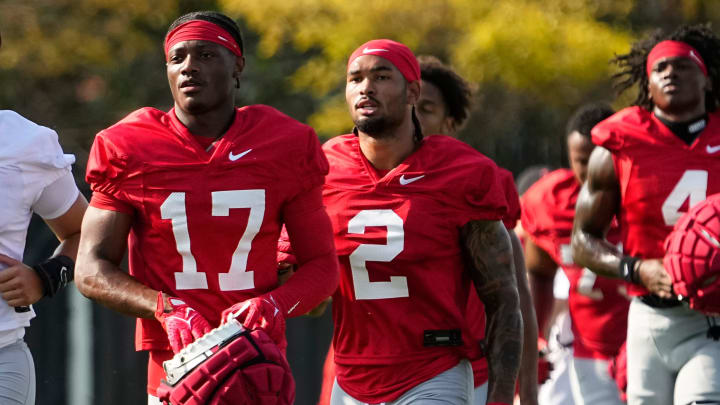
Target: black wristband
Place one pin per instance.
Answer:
(55, 273)
(627, 268)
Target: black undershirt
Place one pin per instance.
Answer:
(689, 130)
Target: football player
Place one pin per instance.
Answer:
(598, 305)
(198, 195)
(415, 219)
(653, 162)
(443, 107)
(35, 177)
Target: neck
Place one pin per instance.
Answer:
(212, 124)
(685, 115)
(388, 151)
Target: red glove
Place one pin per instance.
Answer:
(181, 323)
(544, 365)
(260, 313)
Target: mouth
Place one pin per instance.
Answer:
(366, 106)
(189, 86)
(670, 87)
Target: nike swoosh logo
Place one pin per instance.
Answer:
(369, 50)
(712, 149)
(405, 181)
(238, 156)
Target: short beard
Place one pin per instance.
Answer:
(378, 127)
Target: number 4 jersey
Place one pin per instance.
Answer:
(206, 224)
(660, 176)
(398, 241)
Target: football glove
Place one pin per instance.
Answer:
(181, 323)
(260, 313)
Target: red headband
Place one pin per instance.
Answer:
(674, 49)
(201, 30)
(398, 54)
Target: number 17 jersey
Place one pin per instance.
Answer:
(401, 262)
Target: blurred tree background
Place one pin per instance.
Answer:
(78, 66)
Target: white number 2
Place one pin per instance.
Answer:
(374, 290)
(693, 185)
(238, 276)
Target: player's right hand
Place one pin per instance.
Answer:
(19, 284)
(544, 364)
(182, 324)
(652, 275)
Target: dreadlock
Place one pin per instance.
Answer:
(632, 64)
(216, 18)
(456, 92)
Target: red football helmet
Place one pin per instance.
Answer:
(692, 256)
(228, 366)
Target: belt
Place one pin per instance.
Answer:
(654, 301)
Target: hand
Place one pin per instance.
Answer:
(260, 313)
(19, 284)
(544, 365)
(182, 324)
(652, 275)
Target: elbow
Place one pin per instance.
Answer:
(578, 241)
(83, 277)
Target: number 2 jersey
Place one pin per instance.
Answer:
(660, 176)
(598, 305)
(206, 224)
(397, 237)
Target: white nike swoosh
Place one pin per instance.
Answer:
(368, 50)
(712, 149)
(238, 156)
(405, 181)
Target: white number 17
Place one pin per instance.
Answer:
(238, 276)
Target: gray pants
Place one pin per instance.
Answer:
(670, 359)
(452, 387)
(591, 383)
(480, 396)
(17, 375)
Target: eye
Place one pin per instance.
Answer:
(354, 79)
(206, 54)
(383, 77)
(176, 58)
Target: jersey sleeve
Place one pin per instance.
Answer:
(57, 197)
(106, 168)
(484, 196)
(312, 166)
(535, 218)
(513, 200)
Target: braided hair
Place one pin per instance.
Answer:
(632, 64)
(216, 18)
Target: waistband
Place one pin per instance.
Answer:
(654, 301)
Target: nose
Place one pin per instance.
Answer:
(189, 66)
(366, 87)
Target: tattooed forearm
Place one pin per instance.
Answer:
(489, 259)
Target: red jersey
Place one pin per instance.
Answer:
(598, 305)
(660, 176)
(475, 308)
(401, 267)
(206, 224)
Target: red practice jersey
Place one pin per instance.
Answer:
(598, 305)
(660, 176)
(206, 224)
(401, 267)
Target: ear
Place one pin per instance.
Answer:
(413, 92)
(449, 127)
(239, 66)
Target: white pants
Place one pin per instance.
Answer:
(451, 387)
(17, 375)
(153, 400)
(557, 390)
(591, 383)
(480, 395)
(670, 358)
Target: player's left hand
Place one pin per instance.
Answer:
(652, 275)
(260, 313)
(19, 284)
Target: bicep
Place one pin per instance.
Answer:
(489, 257)
(104, 234)
(70, 222)
(599, 197)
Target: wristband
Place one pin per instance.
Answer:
(497, 403)
(55, 273)
(627, 268)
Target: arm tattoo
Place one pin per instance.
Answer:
(489, 259)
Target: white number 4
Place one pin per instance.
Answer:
(238, 276)
(693, 185)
